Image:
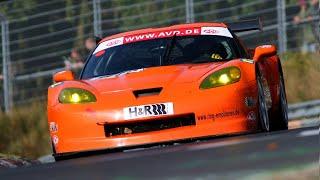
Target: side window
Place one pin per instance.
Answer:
(230, 52)
(242, 50)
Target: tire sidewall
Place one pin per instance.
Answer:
(262, 107)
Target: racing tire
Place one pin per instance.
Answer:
(280, 120)
(262, 105)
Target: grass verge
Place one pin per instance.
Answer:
(24, 132)
(301, 73)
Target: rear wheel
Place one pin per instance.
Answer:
(281, 115)
(263, 109)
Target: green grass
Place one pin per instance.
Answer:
(302, 73)
(24, 132)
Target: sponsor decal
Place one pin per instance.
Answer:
(217, 31)
(218, 115)
(251, 116)
(247, 61)
(227, 114)
(109, 44)
(148, 110)
(202, 117)
(53, 127)
(250, 102)
(161, 34)
(206, 117)
(55, 139)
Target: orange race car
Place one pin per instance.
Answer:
(166, 84)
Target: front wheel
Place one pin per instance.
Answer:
(263, 109)
(281, 115)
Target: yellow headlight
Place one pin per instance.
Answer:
(221, 77)
(224, 79)
(75, 96)
(235, 73)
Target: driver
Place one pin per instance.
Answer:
(205, 48)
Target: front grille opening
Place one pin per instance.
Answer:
(147, 92)
(149, 125)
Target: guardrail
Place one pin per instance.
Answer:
(304, 110)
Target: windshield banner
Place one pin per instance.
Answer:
(216, 31)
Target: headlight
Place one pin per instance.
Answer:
(221, 77)
(76, 96)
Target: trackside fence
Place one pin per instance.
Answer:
(305, 110)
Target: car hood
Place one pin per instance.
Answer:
(162, 76)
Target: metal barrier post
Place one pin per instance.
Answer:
(282, 27)
(189, 11)
(6, 68)
(97, 18)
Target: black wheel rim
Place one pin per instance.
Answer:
(263, 111)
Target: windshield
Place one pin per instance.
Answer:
(160, 52)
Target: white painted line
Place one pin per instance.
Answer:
(309, 133)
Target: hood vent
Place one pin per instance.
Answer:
(147, 92)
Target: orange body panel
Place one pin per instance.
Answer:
(80, 126)
(217, 111)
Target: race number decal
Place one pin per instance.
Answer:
(148, 110)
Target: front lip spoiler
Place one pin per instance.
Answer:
(92, 152)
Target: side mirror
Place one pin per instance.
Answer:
(63, 76)
(265, 50)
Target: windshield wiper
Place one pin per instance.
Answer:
(167, 52)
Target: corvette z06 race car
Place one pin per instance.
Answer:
(159, 85)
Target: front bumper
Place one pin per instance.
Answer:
(82, 127)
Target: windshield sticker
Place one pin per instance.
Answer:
(109, 44)
(217, 31)
(162, 34)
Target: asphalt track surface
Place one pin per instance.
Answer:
(226, 158)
